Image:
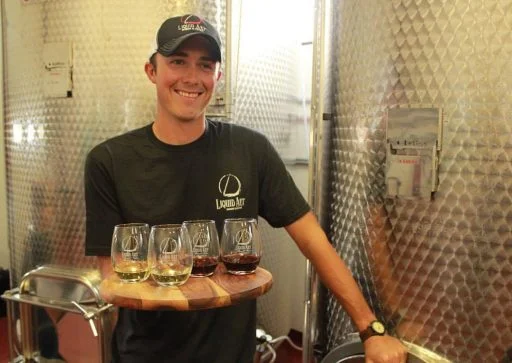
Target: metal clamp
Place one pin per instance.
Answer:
(89, 315)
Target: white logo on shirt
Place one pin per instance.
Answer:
(230, 188)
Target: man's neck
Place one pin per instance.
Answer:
(176, 132)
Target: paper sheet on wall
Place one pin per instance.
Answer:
(409, 176)
(57, 81)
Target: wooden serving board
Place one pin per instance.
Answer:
(220, 289)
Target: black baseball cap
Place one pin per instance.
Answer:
(176, 30)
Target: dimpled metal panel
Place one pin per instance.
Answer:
(440, 270)
(47, 138)
(268, 88)
(268, 97)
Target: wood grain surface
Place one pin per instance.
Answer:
(220, 289)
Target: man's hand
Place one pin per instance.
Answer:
(384, 349)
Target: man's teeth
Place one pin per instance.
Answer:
(188, 94)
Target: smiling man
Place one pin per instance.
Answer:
(183, 166)
(185, 73)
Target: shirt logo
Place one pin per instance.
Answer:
(230, 188)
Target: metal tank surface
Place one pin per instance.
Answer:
(437, 271)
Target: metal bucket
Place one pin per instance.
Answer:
(47, 306)
(352, 351)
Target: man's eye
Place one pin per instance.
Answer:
(177, 62)
(208, 66)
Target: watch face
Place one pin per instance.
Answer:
(378, 327)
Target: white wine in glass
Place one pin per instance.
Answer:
(170, 254)
(130, 251)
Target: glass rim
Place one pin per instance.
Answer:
(249, 219)
(123, 225)
(166, 225)
(190, 221)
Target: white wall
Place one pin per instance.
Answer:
(4, 246)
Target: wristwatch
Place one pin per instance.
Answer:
(375, 328)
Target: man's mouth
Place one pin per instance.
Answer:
(189, 94)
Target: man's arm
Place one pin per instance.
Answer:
(312, 241)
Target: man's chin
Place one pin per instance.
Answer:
(189, 118)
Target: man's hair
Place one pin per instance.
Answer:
(152, 60)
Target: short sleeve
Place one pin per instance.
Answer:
(281, 202)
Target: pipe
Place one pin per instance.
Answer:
(320, 111)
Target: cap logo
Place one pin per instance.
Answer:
(191, 23)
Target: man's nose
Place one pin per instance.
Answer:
(191, 74)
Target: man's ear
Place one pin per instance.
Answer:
(218, 68)
(150, 72)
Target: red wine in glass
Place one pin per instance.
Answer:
(204, 265)
(241, 264)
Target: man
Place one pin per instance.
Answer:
(171, 171)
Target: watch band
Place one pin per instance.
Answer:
(376, 327)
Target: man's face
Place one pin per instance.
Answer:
(186, 80)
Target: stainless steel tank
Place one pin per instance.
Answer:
(439, 272)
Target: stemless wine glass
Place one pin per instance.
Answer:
(129, 251)
(241, 245)
(170, 254)
(205, 246)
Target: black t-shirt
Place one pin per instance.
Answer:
(229, 172)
